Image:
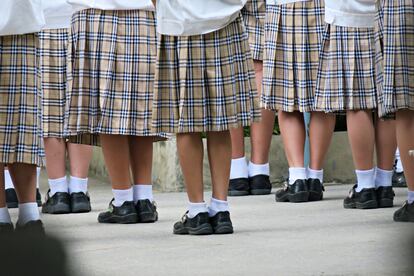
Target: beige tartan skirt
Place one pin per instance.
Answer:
(205, 82)
(111, 61)
(254, 13)
(20, 130)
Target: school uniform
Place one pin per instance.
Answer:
(254, 13)
(293, 35)
(204, 78)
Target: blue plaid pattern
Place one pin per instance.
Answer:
(254, 13)
(293, 35)
(20, 133)
(111, 63)
(205, 82)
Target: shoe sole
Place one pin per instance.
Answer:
(147, 218)
(128, 219)
(315, 196)
(238, 193)
(56, 210)
(224, 228)
(260, 191)
(12, 205)
(296, 198)
(204, 229)
(372, 204)
(386, 203)
(81, 208)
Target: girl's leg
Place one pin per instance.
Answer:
(80, 158)
(55, 150)
(5, 220)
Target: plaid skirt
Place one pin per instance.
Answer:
(348, 70)
(205, 82)
(397, 57)
(254, 13)
(111, 61)
(293, 38)
(20, 132)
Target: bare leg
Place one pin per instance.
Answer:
(55, 150)
(191, 151)
(321, 129)
(405, 138)
(24, 179)
(219, 156)
(141, 159)
(292, 127)
(2, 187)
(386, 143)
(237, 142)
(80, 157)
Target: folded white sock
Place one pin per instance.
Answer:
(239, 168)
(365, 179)
(121, 196)
(5, 215)
(8, 182)
(258, 169)
(142, 192)
(77, 185)
(38, 169)
(217, 206)
(315, 174)
(28, 212)
(59, 185)
(383, 178)
(296, 174)
(410, 197)
(195, 208)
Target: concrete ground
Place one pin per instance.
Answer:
(320, 238)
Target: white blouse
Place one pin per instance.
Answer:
(351, 13)
(281, 2)
(57, 13)
(78, 5)
(193, 17)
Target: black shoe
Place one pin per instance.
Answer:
(366, 199)
(316, 189)
(59, 203)
(198, 225)
(34, 227)
(11, 198)
(124, 214)
(260, 185)
(6, 228)
(405, 213)
(398, 179)
(221, 223)
(147, 211)
(38, 198)
(297, 192)
(385, 197)
(80, 202)
(239, 187)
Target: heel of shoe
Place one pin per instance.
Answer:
(204, 229)
(147, 218)
(299, 197)
(315, 196)
(372, 204)
(81, 208)
(386, 203)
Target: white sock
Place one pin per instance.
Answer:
(410, 197)
(365, 179)
(142, 192)
(398, 166)
(296, 174)
(59, 185)
(77, 185)
(258, 169)
(28, 212)
(239, 168)
(5, 215)
(38, 169)
(122, 196)
(195, 208)
(217, 206)
(8, 182)
(383, 178)
(315, 174)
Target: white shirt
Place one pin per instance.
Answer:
(193, 17)
(351, 13)
(21, 17)
(78, 5)
(281, 2)
(58, 14)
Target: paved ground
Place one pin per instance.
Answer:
(271, 238)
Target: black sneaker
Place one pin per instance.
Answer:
(239, 187)
(260, 185)
(316, 189)
(385, 197)
(80, 202)
(366, 199)
(38, 198)
(198, 225)
(221, 223)
(59, 203)
(11, 198)
(147, 211)
(6, 228)
(405, 213)
(398, 179)
(297, 192)
(34, 227)
(124, 214)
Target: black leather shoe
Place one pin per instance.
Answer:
(221, 223)
(385, 197)
(38, 197)
(366, 199)
(34, 227)
(405, 213)
(11, 198)
(316, 189)
(239, 187)
(124, 214)
(260, 185)
(6, 228)
(147, 211)
(297, 192)
(398, 179)
(59, 203)
(198, 225)
(80, 202)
